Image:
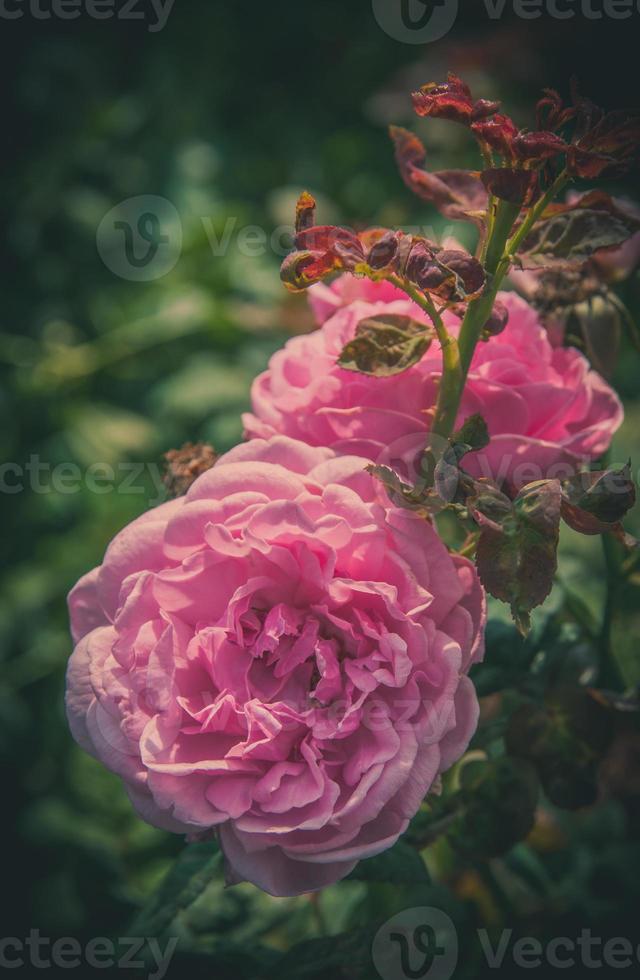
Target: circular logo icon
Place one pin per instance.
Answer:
(140, 239)
(415, 944)
(416, 21)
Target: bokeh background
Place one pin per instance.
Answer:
(227, 113)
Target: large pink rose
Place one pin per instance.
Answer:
(546, 410)
(278, 656)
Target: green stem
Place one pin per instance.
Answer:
(500, 251)
(452, 380)
(496, 267)
(504, 220)
(514, 243)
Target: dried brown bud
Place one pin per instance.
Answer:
(184, 466)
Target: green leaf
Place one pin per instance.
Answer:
(193, 871)
(573, 232)
(517, 555)
(386, 345)
(401, 864)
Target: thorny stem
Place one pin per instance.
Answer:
(452, 377)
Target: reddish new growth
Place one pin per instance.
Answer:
(588, 141)
(451, 275)
(510, 200)
(452, 100)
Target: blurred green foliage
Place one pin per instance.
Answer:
(228, 113)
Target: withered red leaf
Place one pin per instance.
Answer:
(608, 145)
(452, 100)
(324, 238)
(446, 100)
(457, 194)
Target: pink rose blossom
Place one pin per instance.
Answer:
(277, 656)
(546, 410)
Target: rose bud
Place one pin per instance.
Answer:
(423, 269)
(498, 320)
(466, 267)
(384, 251)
